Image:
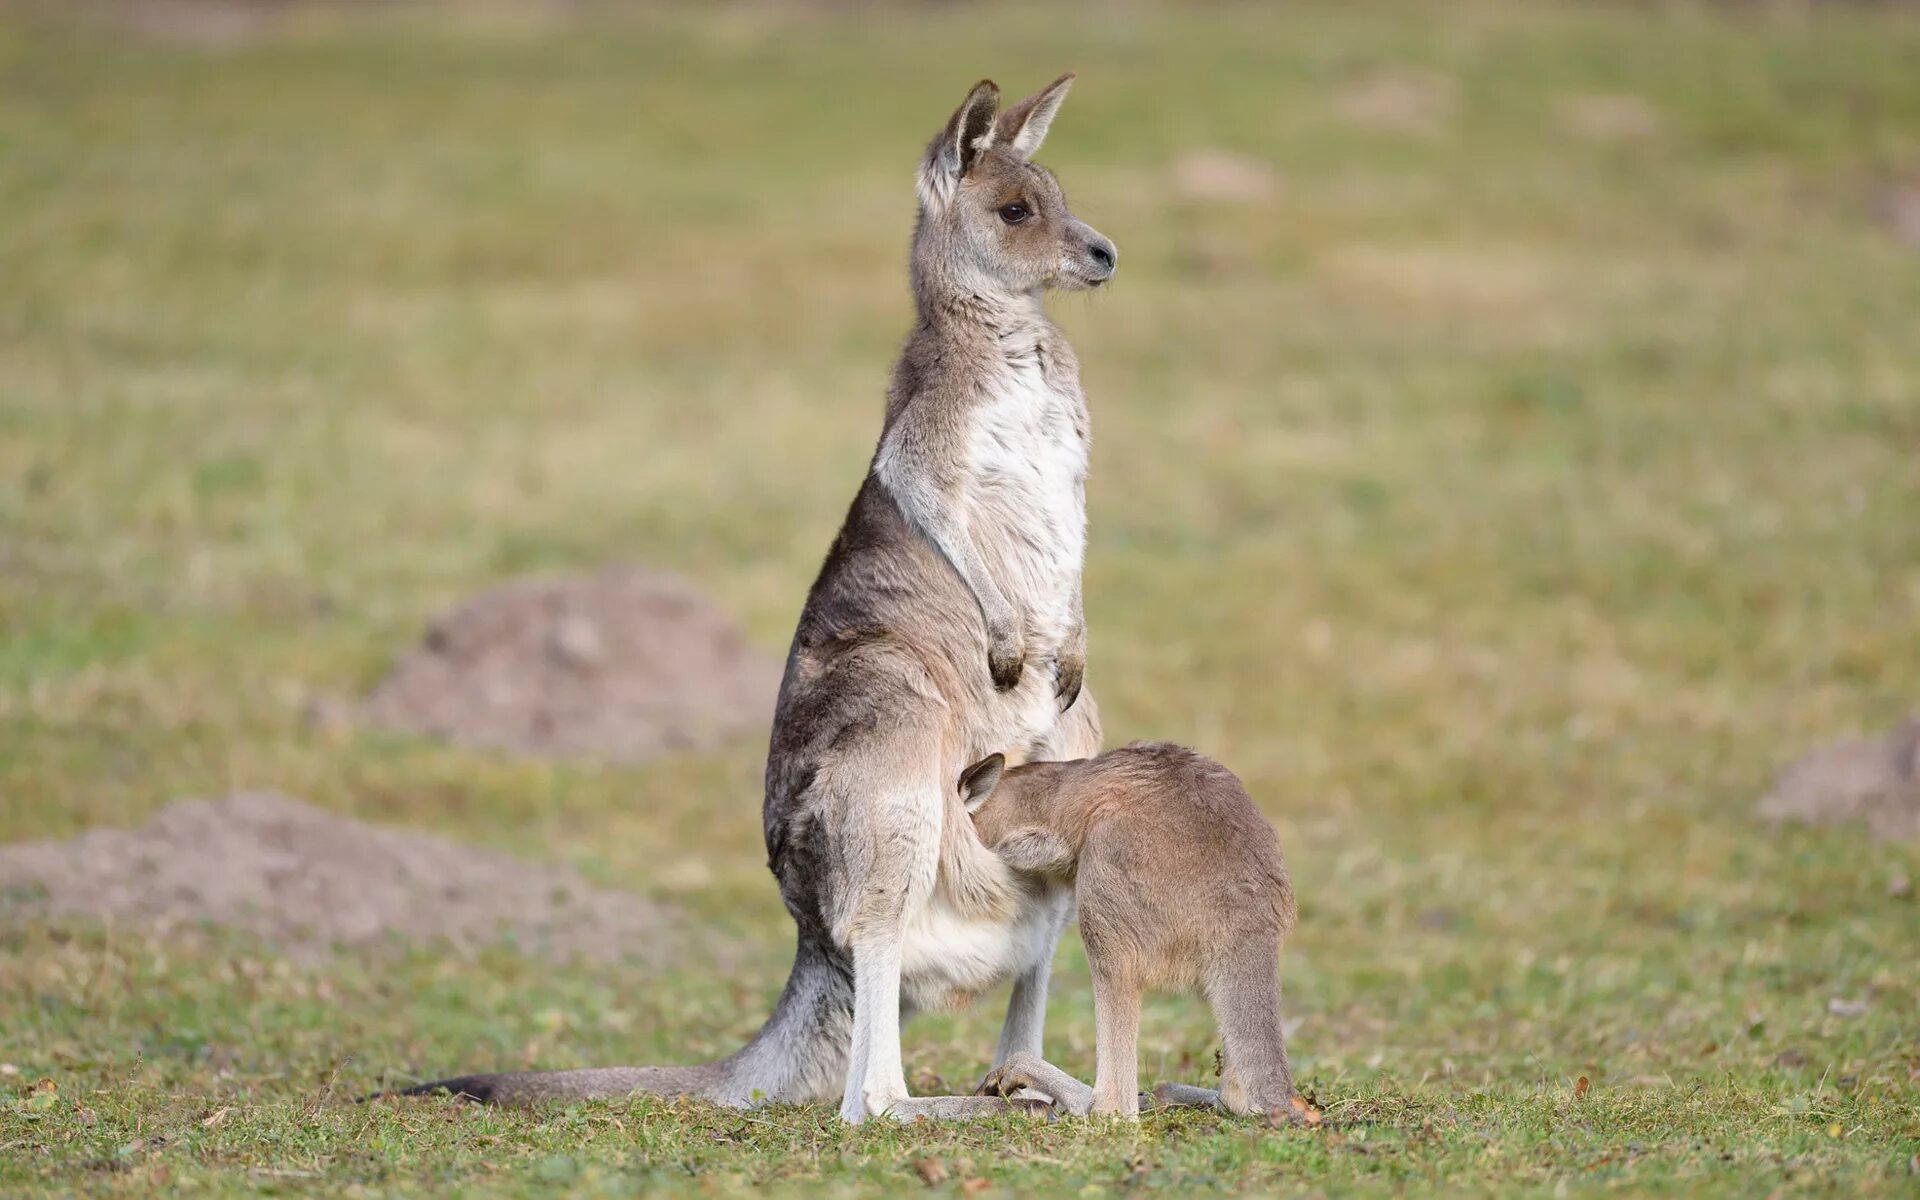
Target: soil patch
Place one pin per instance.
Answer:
(311, 880)
(1609, 117)
(1899, 207)
(1221, 176)
(1400, 101)
(620, 665)
(1874, 780)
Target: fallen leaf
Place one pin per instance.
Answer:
(1846, 1008)
(218, 1116)
(9, 1069)
(1581, 1086)
(931, 1171)
(1899, 887)
(975, 1184)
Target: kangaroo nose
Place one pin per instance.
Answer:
(1104, 256)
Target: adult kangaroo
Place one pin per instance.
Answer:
(945, 626)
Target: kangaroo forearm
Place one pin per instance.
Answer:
(936, 514)
(958, 546)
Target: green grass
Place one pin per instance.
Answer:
(1505, 503)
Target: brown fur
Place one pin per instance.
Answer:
(1180, 885)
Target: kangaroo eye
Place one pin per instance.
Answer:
(1013, 214)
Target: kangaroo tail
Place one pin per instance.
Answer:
(800, 1054)
(591, 1083)
(1245, 993)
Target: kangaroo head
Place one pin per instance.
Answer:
(996, 798)
(993, 224)
(1002, 799)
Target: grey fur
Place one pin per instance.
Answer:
(1180, 883)
(945, 625)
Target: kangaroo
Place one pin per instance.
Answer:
(945, 624)
(1180, 884)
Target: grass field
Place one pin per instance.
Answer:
(1506, 497)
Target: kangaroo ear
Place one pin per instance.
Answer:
(1036, 851)
(978, 781)
(968, 134)
(1024, 126)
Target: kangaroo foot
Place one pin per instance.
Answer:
(1182, 1095)
(965, 1108)
(1069, 1095)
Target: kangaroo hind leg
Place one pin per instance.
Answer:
(886, 801)
(1245, 993)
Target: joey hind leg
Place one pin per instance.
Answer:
(1231, 1096)
(1116, 1015)
(1245, 993)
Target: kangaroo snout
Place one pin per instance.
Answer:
(1102, 258)
(1088, 257)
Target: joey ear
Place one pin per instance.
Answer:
(978, 781)
(1024, 126)
(969, 132)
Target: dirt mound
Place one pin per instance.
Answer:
(1222, 176)
(1875, 780)
(1609, 117)
(1400, 101)
(310, 880)
(619, 665)
(1899, 208)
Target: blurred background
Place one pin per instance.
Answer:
(1506, 457)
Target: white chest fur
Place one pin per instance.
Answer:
(947, 957)
(1027, 448)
